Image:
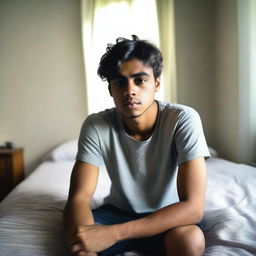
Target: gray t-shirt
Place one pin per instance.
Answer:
(143, 173)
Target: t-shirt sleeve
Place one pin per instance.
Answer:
(189, 137)
(89, 149)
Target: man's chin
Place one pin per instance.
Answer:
(134, 116)
(131, 114)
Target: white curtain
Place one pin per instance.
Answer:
(165, 10)
(105, 20)
(246, 15)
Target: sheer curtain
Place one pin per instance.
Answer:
(246, 15)
(165, 10)
(105, 20)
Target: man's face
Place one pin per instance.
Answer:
(134, 89)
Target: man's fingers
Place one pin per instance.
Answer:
(80, 253)
(75, 248)
(83, 253)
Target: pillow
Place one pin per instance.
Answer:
(64, 152)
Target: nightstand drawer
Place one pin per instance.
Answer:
(11, 169)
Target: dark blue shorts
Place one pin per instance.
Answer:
(109, 214)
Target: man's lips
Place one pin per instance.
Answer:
(131, 103)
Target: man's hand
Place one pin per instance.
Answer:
(89, 239)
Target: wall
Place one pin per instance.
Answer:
(215, 42)
(226, 79)
(194, 25)
(42, 93)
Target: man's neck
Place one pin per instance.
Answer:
(142, 127)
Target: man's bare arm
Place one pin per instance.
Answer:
(82, 186)
(77, 212)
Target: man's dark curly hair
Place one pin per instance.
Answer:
(125, 50)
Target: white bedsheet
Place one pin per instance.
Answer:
(31, 216)
(230, 217)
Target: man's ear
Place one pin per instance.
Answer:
(157, 83)
(109, 89)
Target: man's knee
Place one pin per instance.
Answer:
(185, 241)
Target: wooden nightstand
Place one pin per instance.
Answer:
(11, 169)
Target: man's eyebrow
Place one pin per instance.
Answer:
(120, 76)
(140, 74)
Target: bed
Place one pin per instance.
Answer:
(31, 215)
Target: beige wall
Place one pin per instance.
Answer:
(42, 93)
(208, 75)
(194, 25)
(226, 80)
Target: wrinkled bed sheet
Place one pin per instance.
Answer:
(31, 216)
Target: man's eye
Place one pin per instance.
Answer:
(139, 81)
(119, 82)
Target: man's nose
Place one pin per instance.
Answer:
(131, 88)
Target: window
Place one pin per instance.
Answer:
(103, 22)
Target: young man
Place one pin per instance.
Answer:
(154, 153)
